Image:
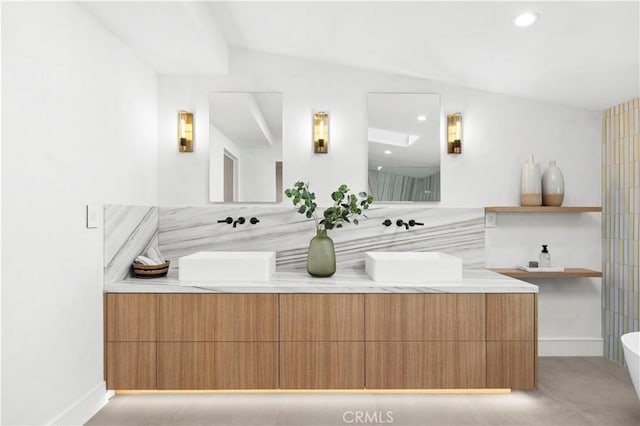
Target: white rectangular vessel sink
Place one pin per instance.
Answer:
(412, 266)
(218, 266)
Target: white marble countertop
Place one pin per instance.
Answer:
(345, 281)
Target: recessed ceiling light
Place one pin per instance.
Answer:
(421, 117)
(387, 152)
(525, 19)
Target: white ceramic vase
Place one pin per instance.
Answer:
(552, 186)
(531, 187)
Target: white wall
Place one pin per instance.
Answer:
(500, 131)
(257, 174)
(79, 115)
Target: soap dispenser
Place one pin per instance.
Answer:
(545, 257)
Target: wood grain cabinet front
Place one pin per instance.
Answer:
(320, 341)
(130, 335)
(131, 317)
(217, 365)
(425, 317)
(217, 317)
(322, 365)
(512, 341)
(321, 317)
(425, 365)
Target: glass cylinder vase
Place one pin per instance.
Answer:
(552, 186)
(321, 258)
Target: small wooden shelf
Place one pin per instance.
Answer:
(567, 273)
(542, 209)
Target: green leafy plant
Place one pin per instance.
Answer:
(346, 208)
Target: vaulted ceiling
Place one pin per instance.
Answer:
(582, 54)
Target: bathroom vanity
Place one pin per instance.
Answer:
(344, 332)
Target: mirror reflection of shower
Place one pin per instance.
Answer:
(404, 146)
(245, 147)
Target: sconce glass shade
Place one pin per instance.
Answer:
(454, 133)
(185, 131)
(321, 132)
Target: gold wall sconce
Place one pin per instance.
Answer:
(185, 131)
(321, 132)
(454, 133)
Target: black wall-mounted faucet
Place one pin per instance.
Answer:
(228, 220)
(239, 220)
(401, 222)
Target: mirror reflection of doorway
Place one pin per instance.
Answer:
(229, 177)
(279, 181)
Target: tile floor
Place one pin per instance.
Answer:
(572, 391)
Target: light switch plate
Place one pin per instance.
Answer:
(490, 219)
(92, 216)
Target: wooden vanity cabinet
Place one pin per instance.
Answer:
(320, 341)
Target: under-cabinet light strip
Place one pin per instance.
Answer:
(390, 391)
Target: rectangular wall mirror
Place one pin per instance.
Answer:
(404, 146)
(245, 147)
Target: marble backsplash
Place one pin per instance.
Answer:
(178, 231)
(128, 232)
(457, 231)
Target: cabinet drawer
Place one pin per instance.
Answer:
(425, 365)
(322, 365)
(511, 317)
(219, 365)
(131, 317)
(511, 365)
(321, 317)
(130, 365)
(217, 317)
(422, 317)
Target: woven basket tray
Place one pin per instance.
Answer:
(150, 271)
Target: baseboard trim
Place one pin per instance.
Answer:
(84, 408)
(551, 346)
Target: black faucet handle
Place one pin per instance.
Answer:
(401, 222)
(228, 220)
(254, 220)
(414, 223)
(387, 222)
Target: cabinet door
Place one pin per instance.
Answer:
(130, 365)
(131, 317)
(511, 317)
(425, 317)
(322, 365)
(217, 317)
(512, 341)
(217, 365)
(511, 365)
(321, 317)
(425, 365)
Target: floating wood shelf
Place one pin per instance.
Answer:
(567, 273)
(542, 209)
